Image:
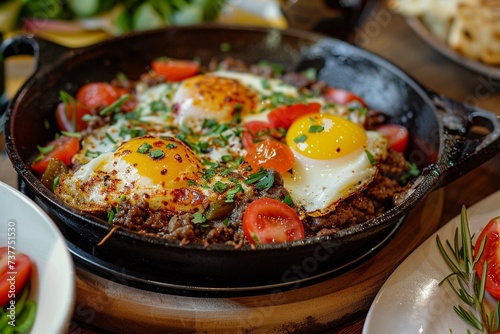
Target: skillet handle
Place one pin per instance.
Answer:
(471, 137)
(44, 52)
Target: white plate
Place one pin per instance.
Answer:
(440, 46)
(411, 301)
(52, 279)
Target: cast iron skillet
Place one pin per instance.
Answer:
(443, 144)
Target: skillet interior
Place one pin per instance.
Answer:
(382, 85)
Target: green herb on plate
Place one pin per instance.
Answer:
(465, 281)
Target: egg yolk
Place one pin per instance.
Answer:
(323, 136)
(219, 98)
(166, 161)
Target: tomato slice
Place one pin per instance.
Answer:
(270, 154)
(12, 283)
(259, 131)
(283, 116)
(69, 116)
(491, 254)
(267, 220)
(63, 148)
(342, 97)
(99, 94)
(396, 134)
(175, 69)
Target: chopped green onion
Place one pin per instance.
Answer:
(144, 148)
(371, 158)
(300, 139)
(316, 128)
(156, 154)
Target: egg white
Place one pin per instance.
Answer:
(319, 185)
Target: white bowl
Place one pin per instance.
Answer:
(52, 277)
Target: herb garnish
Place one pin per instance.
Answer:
(144, 148)
(371, 158)
(156, 154)
(262, 179)
(199, 218)
(113, 106)
(315, 128)
(469, 287)
(300, 139)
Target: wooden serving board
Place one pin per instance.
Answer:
(328, 304)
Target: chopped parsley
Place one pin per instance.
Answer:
(300, 139)
(45, 149)
(220, 187)
(199, 218)
(262, 179)
(288, 200)
(316, 128)
(144, 148)
(371, 158)
(171, 146)
(232, 192)
(113, 106)
(156, 154)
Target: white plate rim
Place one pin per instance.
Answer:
(61, 324)
(410, 301)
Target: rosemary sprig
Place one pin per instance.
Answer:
(467, 285)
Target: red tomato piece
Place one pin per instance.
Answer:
(270, 154)
(491, 254)
(396, 134)
(255, 129)
(342, 97)
(268, 220)
(283, 116)
(69, 116)
(12, 283)
(99, 94)
(63, 148)
(175, 69)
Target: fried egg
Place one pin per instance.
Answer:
(209, 96)
(156, 170)
(334, 158)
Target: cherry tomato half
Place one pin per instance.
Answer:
(283, 116)
(342, 97)
(99, 94)
(63, 148)
(491, 254)
(270, 154)
(267, 220)
(175, 69)
(255, 130)
(22, 268)
(396, 134)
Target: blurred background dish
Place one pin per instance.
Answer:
(467, 32)
(473, 64)
(52, 272)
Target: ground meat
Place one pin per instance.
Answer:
(360, 207)
(366, 204)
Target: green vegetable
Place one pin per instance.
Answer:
(146, 17)
(190, 14)
(89, 8)
(467, 285)
(27, 317)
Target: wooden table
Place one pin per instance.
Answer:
(386, 34)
